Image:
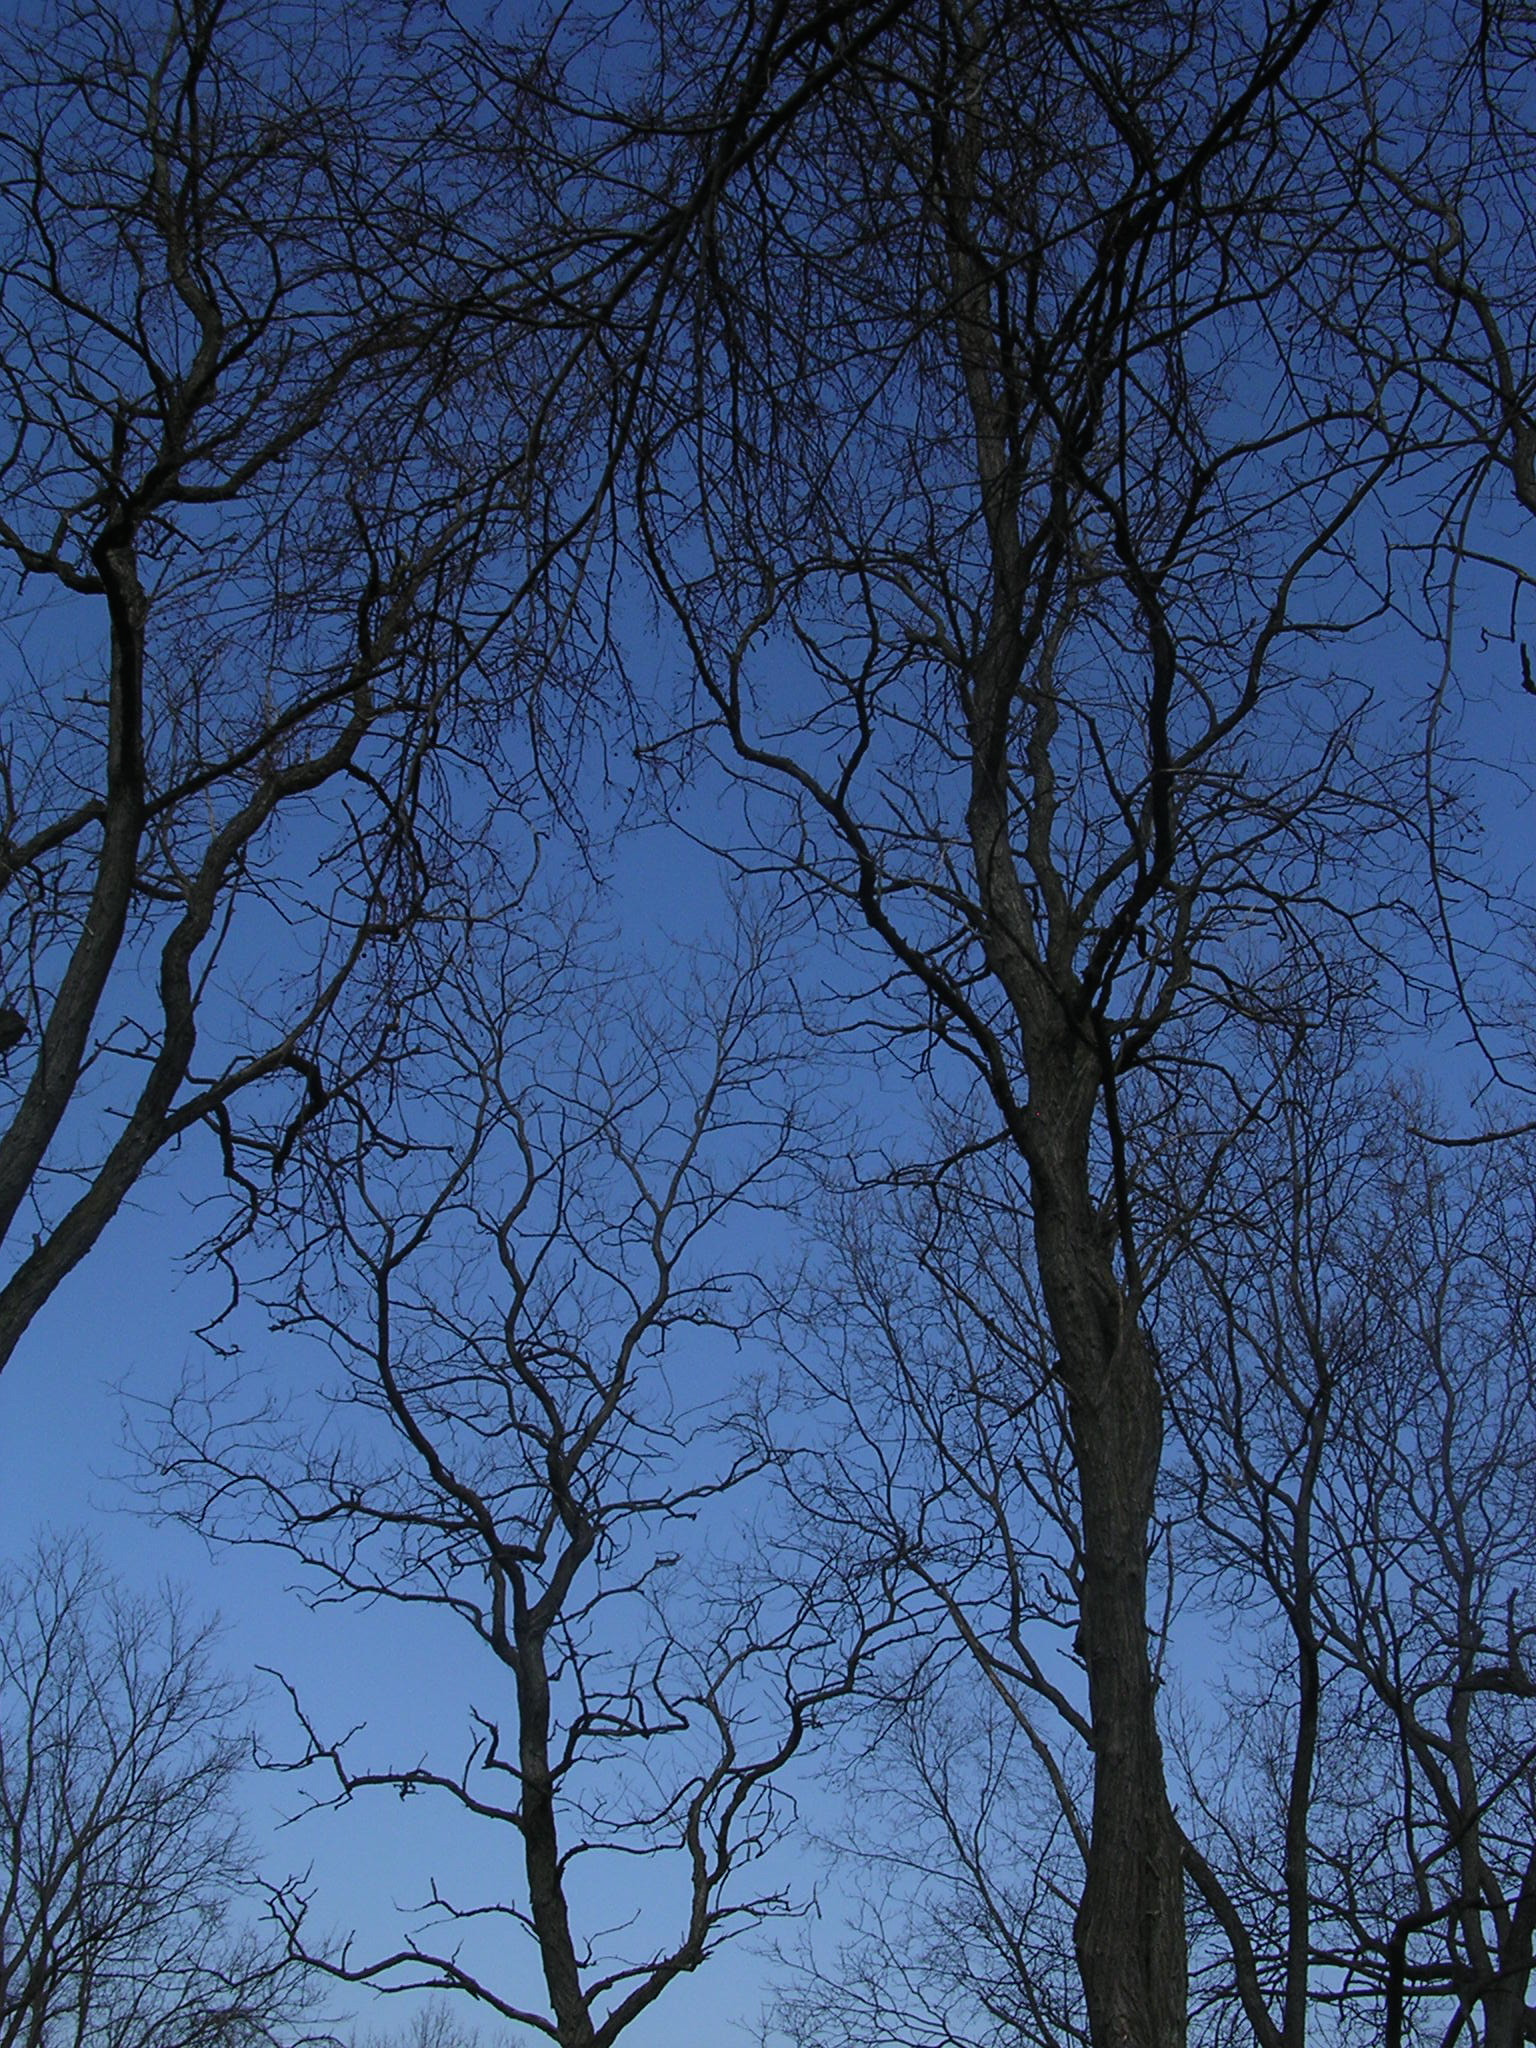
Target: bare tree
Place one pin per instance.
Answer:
(1024, 414)
(256, 569)
(128, 1917)
(1020, 674)
(935, 1463)
(435, 2026)
(528, 1264)
(955, 1882)
(1353, 1390)
(1017, 516)
(1344, 1327)
(322, 346)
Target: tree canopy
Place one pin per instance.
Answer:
(1040, 498)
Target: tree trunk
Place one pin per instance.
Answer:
(1129, 1930)
(542, 1862)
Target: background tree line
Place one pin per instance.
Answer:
(1044, 493)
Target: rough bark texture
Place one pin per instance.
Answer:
(541, 1844)
(1130, 1932)
(1129, 1929)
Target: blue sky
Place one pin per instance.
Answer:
(125, 1326)
(125, 1323)
(128, 1322)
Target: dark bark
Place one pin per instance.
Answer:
(1129, 1929)
(508, 1453)
(1130, 1924)
(547, 1907)
(71, 1019)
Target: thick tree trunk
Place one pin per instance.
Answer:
(1129, 1930)
(542, 1863)
(1129, 1933)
